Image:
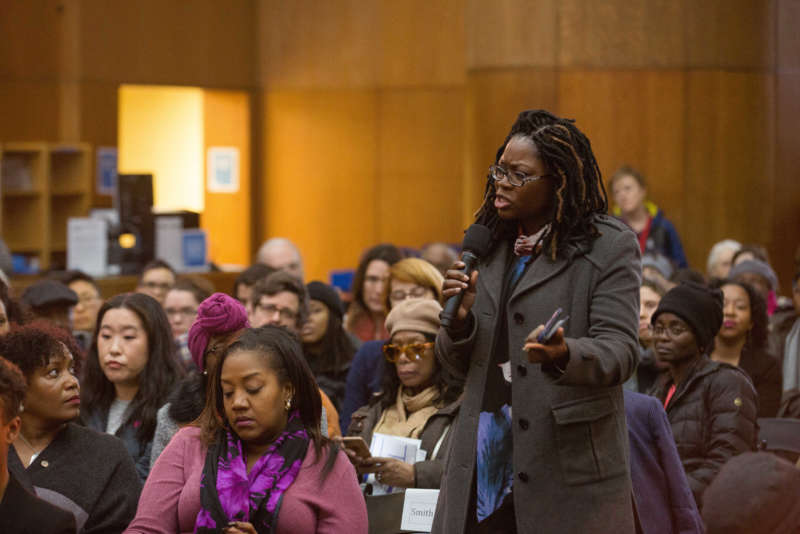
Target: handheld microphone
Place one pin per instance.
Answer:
(476, 244)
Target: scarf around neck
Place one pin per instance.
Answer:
(409, 414)
(229, 493)
(525, 245)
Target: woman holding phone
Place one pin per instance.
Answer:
(418, 400)
(558, 461)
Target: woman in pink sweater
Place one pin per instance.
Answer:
(257, 460)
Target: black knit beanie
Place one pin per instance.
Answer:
(698, 305)
(327, 295)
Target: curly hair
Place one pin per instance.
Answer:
(579, 192)
(31, 346)
(758, 335)
(158, 376)
(12, 389)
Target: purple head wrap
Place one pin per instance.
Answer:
(218, 314)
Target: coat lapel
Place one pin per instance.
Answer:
(491, 274)
(543, 270)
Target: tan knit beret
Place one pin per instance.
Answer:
(415, 315)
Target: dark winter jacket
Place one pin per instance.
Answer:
(435, 437)
(127, 432)
(713, 418)
(87, 473)
(765, 373)
(363, 379)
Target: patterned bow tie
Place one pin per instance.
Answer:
(525, 245)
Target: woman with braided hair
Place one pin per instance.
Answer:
(557, 461)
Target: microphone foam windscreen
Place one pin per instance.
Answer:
(477, 239)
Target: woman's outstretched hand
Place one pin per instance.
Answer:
(554, 349)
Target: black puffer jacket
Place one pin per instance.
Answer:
(713, 418)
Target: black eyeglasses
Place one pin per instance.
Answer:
(413, 351)
(515, 178)
(672, 330)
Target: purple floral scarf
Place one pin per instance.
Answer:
(229, 493)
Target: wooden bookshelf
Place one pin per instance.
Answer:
(41, 186)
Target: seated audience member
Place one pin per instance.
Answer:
(649, 368)
(367, 311)
(749, 251)
(327, 347)
(257, 462)
(220, 319)
(785, 337)
(279, 299)
(50, 300)
(282, 300)
(84, 314)
(243, 286)
(711, 406)
(754, 493)
(181, 305)
(156, 280)
(440, 255)
(664, 502)
(21, 512)
(418, 400)
(82, 471)
(720, 259)
(282, 255)
(687, 275)
(10, 311)
(760, 275)
(408, 278)
(655, 232)
(658, 269)
(742, 342)
(130, 372)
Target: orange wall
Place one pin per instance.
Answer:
(227, 216)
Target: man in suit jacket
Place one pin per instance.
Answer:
(21, 512)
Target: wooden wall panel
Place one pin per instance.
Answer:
(30, 33)
(203, 42)
(494, 99)
(621, 33)
(419, 166)
(786, 199)
(306, 43)
(730, 34)
(729, 154)
(320, 150)
(511, 33)
(29, 111)
(227, 216)
(421, 43)
(635, 118)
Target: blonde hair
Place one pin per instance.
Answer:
(416, 271)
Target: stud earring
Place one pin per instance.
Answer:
(288, 404)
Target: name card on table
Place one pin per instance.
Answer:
(419, 508)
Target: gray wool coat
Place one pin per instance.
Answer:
(570, 440)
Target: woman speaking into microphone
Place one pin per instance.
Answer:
(544, 336)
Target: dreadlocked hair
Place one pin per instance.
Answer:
(579, 191)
